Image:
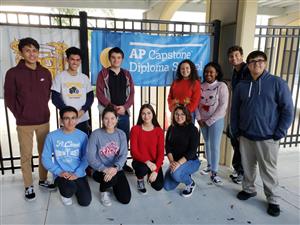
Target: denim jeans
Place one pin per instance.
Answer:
(181, 175)
(123, 124)
(212, 137)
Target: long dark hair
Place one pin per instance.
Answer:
(108, 108)
(194, 73)
(217, 68)
(154, 118)
(186, 112)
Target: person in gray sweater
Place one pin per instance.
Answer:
(106, 154)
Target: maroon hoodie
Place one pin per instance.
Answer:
(27, 92)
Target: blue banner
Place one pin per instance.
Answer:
(151, 59)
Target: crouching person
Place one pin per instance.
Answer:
(68, 146)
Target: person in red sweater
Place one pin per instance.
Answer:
(147, 149)
(185, 89)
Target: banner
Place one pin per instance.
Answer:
(151, 59)
(53, 43)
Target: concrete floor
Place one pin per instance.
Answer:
(209, 204)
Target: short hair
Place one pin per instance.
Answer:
(188, 117)
(27, 42)
(67, 109)
(255, 54)
(234, 49)
(154, 118)
(194, 73)
(115, 50)
(107, 109)
(217, 68)
(73, 51)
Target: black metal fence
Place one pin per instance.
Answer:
(282, 45)
(85, 24)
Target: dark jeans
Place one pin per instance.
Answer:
(236, 160)
(80, 187)
(141, 170)
(119, 184)
(123, 124)
(84, 127)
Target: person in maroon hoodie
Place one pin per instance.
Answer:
(27, 90)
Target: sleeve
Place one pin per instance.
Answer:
(80, 170)
(170, 98)
(168, 140)
(130, 99)
(220, 112)
(92, 153)
(57, 100)
(193, 144)
(195, 98)
(121, 159)
(100, 85)
(134, 145)
(89, 101)
(10, 92)
(285, 105)
(57, 83)
(235, 112)
(160, 152)
(49, 165)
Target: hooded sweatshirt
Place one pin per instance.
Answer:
(27, 92)
(261, 109)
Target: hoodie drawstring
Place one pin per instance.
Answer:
(250, 89)
(259, 86)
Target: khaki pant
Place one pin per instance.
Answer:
(265, 154)
(25, 137)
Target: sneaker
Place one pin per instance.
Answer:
(216, 179)
(127, 169)
(29, 193)
(188, 191)
(141, 187)
(238, 179)
(205, 171)
(233, 175)
(273, 209)
(105, 199)
(46, 185)
(243, 195)
(66, 201)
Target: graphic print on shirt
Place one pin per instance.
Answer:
(208, 98)
(109, 150)
(67, 151)
(74, 89)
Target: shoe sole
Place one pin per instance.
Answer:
(243, 199)
(143, 193)
(189, 195)
(204, 173)
(30, 199)
(106, 205)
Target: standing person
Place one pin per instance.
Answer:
(235, 58)
(261, 113)
(147, 149)
(185, 89)
(210, 116)
(182, 141)
(107, 152)
(68, 147)
(73, 88)
(115, 86)
(26, 94)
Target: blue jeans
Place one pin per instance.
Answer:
(212, 137)
(123, 124)
(181, 175)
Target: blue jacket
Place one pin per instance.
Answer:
(261, 109)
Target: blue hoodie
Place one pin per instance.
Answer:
(261, 109)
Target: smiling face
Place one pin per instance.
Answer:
(30, 54)
(69, 121)
(210, 74)
(109, 121)
(257, 66)
(235, 58)
(74, 62)
(147, 116)
(180, 117)
(185, 70)
(116, 60)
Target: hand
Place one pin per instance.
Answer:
(80, 113)
(120, 110)
(174, 166)
(109, 173)
(151, 165)
(201, 123)
(152, 177)
(73, 177)
(65, 175)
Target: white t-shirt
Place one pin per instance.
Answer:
(73, 90)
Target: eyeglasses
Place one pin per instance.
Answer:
(259, 62)
(69, 118)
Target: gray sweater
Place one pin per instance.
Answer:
(106, 150)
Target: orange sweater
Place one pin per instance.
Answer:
(186, 93)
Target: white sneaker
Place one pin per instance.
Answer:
(66, 201)
(105, 199)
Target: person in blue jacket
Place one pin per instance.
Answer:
(68, 146)
(261, 113)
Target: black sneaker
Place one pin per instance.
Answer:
(238, 179)
(29, 193)
(243, 195)
(141, 187)
(188, 191)
(46, 185)
(273, 209)
(216, 179)
(127, 169)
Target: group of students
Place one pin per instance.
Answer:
(261, 113)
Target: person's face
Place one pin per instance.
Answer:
(109, 121)
(185, 70)
(69, 121)
(235, 58)
(74, 62)
(257, 66)
(210, 74)
(179, 116)
(147, 116)
(30, 54)
(116, 60)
